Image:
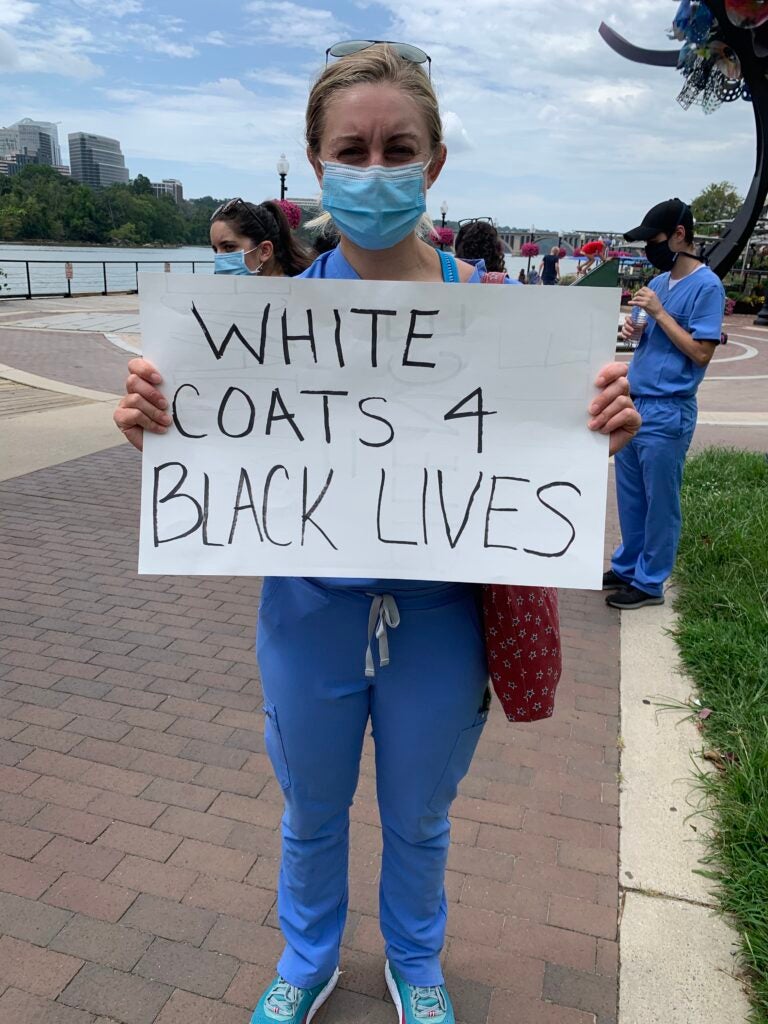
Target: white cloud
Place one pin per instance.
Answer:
(282, 21)
(59, 52)
(9, 53)
(113, 8)
(215, 38)
(280, 79)
(456, 138)
(156, 44)
(14, 12)
(223, 123)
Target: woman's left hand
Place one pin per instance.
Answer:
(612, 411)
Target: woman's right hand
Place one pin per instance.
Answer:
(142, 407)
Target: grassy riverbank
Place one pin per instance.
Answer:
(722, 577)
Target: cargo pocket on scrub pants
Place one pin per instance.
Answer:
(273, 741)
(457, 766)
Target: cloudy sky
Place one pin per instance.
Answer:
(545, 125)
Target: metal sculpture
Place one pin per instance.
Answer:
(724, 58)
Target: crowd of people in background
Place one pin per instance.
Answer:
(250, 238)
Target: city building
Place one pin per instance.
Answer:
(10, 165)
(41, 138)
(29, 142)
(169, 187)
(96, 160)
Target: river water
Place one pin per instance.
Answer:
(47, 267)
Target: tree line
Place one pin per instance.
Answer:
(39, 204)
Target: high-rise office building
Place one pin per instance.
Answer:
(96, 160)
(38, 141)
(44, 135)
(169, 187)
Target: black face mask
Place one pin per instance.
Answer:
(660, 255)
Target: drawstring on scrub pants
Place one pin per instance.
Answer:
(384, 613)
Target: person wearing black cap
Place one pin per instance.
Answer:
(685, 305)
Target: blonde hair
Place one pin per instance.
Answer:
(376, 65)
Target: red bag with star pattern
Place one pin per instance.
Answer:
(522, 642)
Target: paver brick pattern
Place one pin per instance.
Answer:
(139, 821)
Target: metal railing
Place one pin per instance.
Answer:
(33, 279)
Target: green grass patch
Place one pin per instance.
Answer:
(722, 579)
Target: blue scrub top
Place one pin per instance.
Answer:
(658, 368)
(334, 266)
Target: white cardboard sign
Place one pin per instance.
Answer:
(375, 429)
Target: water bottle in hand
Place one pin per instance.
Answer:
(639, 318)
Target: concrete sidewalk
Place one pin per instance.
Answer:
(139, 844)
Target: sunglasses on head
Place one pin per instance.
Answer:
(404, 50)
(231, 205)
(474, 220)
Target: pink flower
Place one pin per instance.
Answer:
(529, 249)
(442, 236)
(292, 212)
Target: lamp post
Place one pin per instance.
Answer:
(443, 212)
(282, 169)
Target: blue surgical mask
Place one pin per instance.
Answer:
(375, 207)
(233, 263)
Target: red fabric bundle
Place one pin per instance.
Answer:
(522, 642)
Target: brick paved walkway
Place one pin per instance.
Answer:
(86, 360)
(139, 836)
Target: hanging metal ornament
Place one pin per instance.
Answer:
(682, 21)
(747, 13)
(726, 60)
(700, 24)
(710, 96)
(727, 90)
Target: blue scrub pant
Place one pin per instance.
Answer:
(649, 475)
(427, 708)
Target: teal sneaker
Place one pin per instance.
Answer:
(416, 1003)
(288, 1004)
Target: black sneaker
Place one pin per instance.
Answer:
(630, 597)
(612, 582)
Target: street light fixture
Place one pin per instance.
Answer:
(443, 212)
(282, 169)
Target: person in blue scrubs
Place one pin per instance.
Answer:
(685, 305)
(337, 655)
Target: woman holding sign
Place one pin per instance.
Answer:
(335, 653)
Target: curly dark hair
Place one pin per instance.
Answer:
(268, 223)
(479, 240)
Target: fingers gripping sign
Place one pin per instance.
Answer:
(143, 407)
(612, 411)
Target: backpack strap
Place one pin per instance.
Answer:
(449, 267)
